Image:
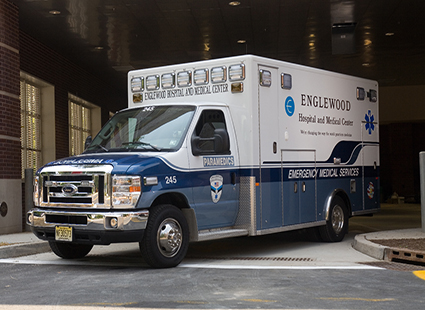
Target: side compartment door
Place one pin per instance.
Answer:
(213, 160)
(299, 190)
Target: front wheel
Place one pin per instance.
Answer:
(337, 225)
(70, 250)
(166, 237)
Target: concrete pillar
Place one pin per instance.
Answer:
(422, 177)
(10, 121)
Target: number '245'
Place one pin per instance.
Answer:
(171, 179)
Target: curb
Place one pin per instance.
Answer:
(367, 247)
(23, 249)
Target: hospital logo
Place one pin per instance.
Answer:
(216, 182)
(289, 106)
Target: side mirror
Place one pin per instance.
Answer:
(217, 145)
(88, 142)
(221, 141)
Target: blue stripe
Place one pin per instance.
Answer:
(347, 151)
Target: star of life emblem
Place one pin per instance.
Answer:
(216, 182)
(370, 190)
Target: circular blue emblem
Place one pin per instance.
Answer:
(289, 106)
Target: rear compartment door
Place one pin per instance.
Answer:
(370, 160)
(271, 213)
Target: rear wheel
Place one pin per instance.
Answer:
(166, 237)
(337, 225)
(70, 250)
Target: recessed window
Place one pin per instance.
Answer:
(30, 126)
(80, 123)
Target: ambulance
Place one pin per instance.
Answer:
(231, 147)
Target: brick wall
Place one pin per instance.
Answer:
(10, 126)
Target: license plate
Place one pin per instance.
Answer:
(63, 233)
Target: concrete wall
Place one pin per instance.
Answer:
(402, 138)
(402, 104)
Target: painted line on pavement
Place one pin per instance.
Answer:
(217, 266)
(184, 265)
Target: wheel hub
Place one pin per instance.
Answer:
(337, 219)
(169, 237)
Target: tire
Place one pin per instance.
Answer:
(313, 234)
(166, 237)
(337, 225)
(70, 250)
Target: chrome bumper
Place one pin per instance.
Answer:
(89, 221)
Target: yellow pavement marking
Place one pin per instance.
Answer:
(105, 304)
(191, 302)
(420, 274)
(357, 298)
(259, 300)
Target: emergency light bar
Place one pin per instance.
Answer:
(265, 78)
(200, 76)
(218, 74)
(373, 95)
(360, 93)
(286, 81)
(152, 82)
(184, 78)
(237, 72)
(137, 84)
(168, 80)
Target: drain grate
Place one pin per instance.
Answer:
(394, 266)
(280, 259)
(405, 256)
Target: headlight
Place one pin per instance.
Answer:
(126, 191)
(36, 196)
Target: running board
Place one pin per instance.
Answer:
(205, 235)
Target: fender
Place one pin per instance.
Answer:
(337, 192)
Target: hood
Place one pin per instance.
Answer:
(121, 162)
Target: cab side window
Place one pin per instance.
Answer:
(210, 136)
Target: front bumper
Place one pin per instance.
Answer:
(90, 227)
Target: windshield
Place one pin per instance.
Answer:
(150, 128)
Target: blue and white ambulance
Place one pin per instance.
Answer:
(239, 146)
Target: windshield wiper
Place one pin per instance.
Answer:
(98, 146)
(142, 143)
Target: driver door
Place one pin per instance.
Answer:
(213, 161)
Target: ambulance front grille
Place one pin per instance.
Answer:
(68, 189)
